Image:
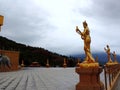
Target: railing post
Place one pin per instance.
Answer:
(105, 77)
(89, 78)
(109, 76)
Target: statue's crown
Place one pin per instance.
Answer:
(85, 22)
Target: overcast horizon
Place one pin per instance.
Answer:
(51, 24)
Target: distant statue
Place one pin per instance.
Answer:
(114, 55)
(47, 64)
(22, 63)
(64, 64)
(108, 53)
(78, 62)
(85, 35)
(96, 59)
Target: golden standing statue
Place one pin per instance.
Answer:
(85, 35)
(108, 53)
(22, 65)
(47, 64)
(64, 64)
(115, 59)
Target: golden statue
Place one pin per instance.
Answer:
(108, 53)
(115, 59)
(64, 64)
(22, 63)
(47, 64)
(85, 35)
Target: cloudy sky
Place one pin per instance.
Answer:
(50, 24)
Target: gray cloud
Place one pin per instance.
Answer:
(52, 25)
(106, 11)
(24, 22)
(104, 19)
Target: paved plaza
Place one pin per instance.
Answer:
(40, 79)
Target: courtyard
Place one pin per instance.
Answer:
(40, 79)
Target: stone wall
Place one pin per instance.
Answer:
(14, 59)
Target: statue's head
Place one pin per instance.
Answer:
(84, 24)
(113, 52)
(107, 46)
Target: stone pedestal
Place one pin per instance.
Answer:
(89, 78)
(64, 65)
(47, 65)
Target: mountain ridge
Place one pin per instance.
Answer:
(32, 54)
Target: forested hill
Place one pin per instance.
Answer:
(34, 54)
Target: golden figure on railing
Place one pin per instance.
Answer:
(115, 59)
(85, 35)
(108, 53)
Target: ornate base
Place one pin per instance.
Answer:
(22, 65)
(78, 65)
(89, 78)
(88, 65)
(64, 65)
(109, 63)
(47, 65)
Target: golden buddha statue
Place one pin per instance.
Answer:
(64, 64)
(115, 59)
(85, 35)
(47, 64)
(108, 53)
(22, 64)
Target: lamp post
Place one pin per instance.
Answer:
(1, 21)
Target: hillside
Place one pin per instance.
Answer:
(32, 54)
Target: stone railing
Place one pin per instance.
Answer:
(111, 73)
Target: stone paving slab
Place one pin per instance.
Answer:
(40, 79)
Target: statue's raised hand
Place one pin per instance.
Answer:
(77, 30)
